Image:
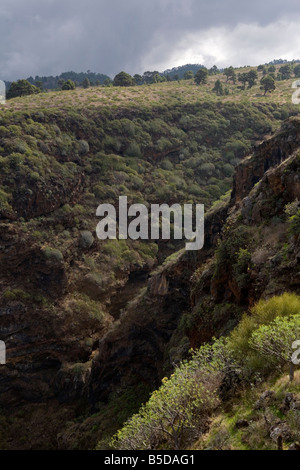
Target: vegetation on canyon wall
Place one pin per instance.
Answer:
(93, 327)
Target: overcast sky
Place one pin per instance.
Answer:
(47, 37)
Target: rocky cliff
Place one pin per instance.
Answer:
(248, 254)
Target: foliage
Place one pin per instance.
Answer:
(21, 88)
(123, 79)
(86, 239)
(297, 71)
(230, 74)
(263, 313)
(52, 254)
(276, 340)
(177, 411)
(218, 88)
(241, 267)
(68, 85)
(188, 75)
(201, 76)
(86, 83)
(267, 84)
(180, 406)
(295, 224)
(286, 71)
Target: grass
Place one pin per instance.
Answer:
(224, 433)
(158, 94)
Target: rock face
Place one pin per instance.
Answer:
(133, 352)
(268, 155)
(136, 350)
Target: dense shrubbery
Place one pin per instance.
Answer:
(178, 410)
(194, 148)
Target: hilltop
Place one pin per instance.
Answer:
(157, 94)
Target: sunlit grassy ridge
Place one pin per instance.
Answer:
(158, 94)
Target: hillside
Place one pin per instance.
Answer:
(161, 94)
(92, 327)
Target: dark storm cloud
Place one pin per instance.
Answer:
(50, 36)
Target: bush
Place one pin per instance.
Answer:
(22, 88)
(68, 85)
(86, 239)
(52, 254)
(180, 406)
(274, 342)
(295, 224)
(84, 307)
(133, 150)
(263, 313)
(84, 147)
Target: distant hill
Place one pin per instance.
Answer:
(281, 61)
(52, 83)
(180, 71)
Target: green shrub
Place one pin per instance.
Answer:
(86, 239)
(180, 406)
(263, 313)
(274, 342)
(133, 150)
(52, 254)
(295, 224)
(84, 307)
(15, 294)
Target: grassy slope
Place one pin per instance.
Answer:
(257, 421)
(182, 92)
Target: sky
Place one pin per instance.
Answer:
(47, 37)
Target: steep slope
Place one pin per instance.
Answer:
(200, 295)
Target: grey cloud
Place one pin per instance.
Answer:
(50, 36)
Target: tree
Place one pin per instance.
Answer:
(68, 85)
(188, 75)
(123, 79)
(297, 71)
(86, 83)
(243, 78)
(218, 88)
(251, 78)
(138, 79)
(39, 84)
(277, 340)
(272, 69)
(201, 76)
(213, 70)
(22, 88)
(267, 84)
(286, 71)
(60, 82)
(148, 76)
(107, 82)
(230, 74)
(157, 78)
